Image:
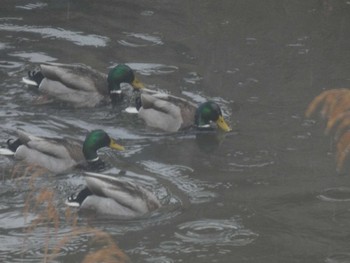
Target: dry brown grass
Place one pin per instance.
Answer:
(334, 107)
(43, 203)
(110, 251)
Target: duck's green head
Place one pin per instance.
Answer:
(121, 74)
(95, 140)
(209, 112)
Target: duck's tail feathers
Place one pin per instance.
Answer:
(131, 110)
(6, 152)
(13, 145)
(34, 78)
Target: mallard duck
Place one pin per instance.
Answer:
(59, 155)
(80, 85)
(114, 196)
(170, 113)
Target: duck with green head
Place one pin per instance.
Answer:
(170, 113)
(59, 155)
(80, 85)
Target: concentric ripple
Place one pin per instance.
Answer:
(242, 161)
(218, 232)
(335, 194)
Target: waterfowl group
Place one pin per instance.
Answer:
(82, 86)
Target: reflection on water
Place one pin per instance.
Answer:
(148, 69)
(34, 57)
(32, 6)
(140, 40)
(77, 38)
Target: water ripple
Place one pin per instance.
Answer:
(10, 64)
(242, 161)
(218, 232)
(140, 40)
(193, 78)
(32, 6)
(335, 194)
(148, 69)
(199, 238)
(34, 57)
(77, 38)
(195, 189)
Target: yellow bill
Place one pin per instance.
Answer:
(116, 146)
(137, 84)
(222, 124)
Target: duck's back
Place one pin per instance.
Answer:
(127, 194)
(76, 76)
(166, 112)
(56, 155)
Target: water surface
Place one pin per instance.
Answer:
(268, 192)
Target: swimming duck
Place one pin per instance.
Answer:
(170, 113)
(59, 155)
(80, 85)
(114, 196)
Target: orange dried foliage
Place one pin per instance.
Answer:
(334, 106)
(43, 204)
(109, 253)
(343, 147)
(327, 99)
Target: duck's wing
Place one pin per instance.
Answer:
(76, 77)
(188, 110)
(59, 148)
(167, 112)
(126, 193)
(159, 113)
(77, 98)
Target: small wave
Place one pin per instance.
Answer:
(10, 64)
(335, 194)
(193, 78)
(218, 232)
(33, 57)
(77, 38)
(140, 40)
(196, 190)
(32, 6)
(199, 237)
(243, 161)
(148, 69)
